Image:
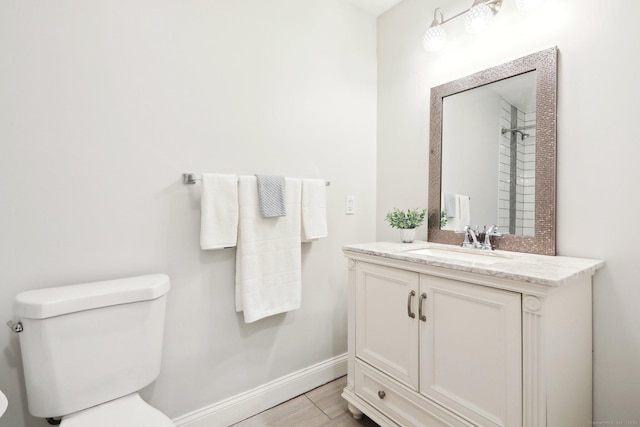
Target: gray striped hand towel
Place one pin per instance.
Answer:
(271, 195)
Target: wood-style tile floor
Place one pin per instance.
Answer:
(322, 406)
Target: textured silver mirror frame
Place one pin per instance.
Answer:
(545, 63)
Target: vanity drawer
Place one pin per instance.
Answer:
(398, 402)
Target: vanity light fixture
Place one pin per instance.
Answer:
(435, 37)
(479, 16)
(476, 19)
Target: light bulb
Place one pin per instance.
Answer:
(478, 18)
(434, 38)
(527, 5)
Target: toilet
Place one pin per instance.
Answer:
(87, 349)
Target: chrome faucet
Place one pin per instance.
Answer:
(473, 234)
(471, 237)
(491, 232)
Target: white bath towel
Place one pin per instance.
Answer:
(218, 211)
(463, 214)
(449, 204)
(268, 258)
(314, 209)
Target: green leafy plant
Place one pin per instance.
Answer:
(412, 218)
(443, 218)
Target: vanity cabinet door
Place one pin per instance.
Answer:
(470, 350)
(386, 332)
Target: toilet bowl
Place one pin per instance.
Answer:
(128, 411)
(88, 349)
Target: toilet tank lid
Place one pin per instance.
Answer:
(49, 302)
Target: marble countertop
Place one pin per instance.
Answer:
(530, 268)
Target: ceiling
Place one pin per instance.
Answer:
(374, 7)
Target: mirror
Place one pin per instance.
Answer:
(492, 154)
(488, 156)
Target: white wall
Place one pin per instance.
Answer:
(598, 147)
(104, 104)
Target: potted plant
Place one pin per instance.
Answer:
(407, 221)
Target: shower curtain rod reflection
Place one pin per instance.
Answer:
(191, 178)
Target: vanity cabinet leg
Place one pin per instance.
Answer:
(354, 411)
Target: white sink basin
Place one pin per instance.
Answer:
(3, 403)
(461, 255)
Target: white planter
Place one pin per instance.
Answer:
(408, 235)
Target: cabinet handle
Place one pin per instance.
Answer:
(422, 316)
(381, 394)
(409, 312)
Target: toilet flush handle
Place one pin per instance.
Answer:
(15, 327)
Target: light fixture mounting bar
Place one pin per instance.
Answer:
(493, 4)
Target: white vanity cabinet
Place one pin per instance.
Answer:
(435, 343)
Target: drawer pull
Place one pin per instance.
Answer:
(422, 316)
(381, 394)
(409, 312)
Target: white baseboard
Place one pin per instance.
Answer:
(251, 402)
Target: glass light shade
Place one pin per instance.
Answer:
(527, 5)
(434, 38)
(478, 18)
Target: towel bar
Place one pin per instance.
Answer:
(191, 178)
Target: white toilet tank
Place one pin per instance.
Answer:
(83, 345)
